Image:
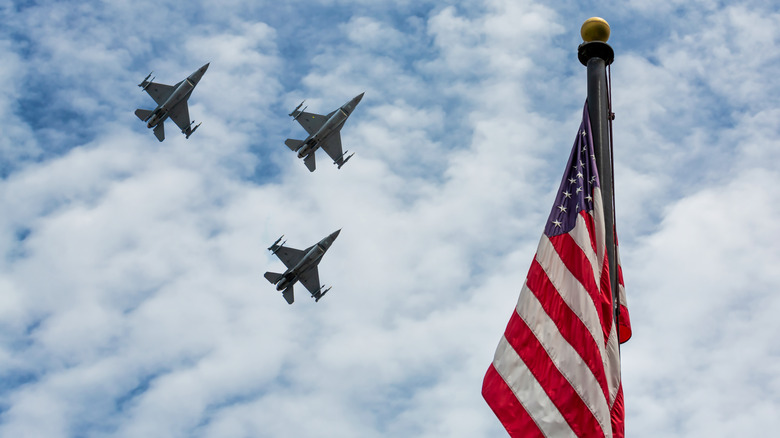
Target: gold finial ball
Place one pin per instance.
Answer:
(595, 29)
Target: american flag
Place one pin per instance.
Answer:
(556, 371)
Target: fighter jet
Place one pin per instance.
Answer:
(324, 132)
(171, 102)
(301, 266)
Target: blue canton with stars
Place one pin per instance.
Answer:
(579, 181)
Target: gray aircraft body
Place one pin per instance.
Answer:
(324, 132)
(171, 103)
(301, 266)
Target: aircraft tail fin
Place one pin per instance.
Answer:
(273, 277)
(309, 162)
(159, 131)
(293, 144)
(143, 114)
(288, 294)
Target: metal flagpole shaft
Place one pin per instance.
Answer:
(596, 55)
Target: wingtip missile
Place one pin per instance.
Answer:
(300, 112)
(188, 134)
(321, 294)
(146, 80)
(293, 113)
(276, 246)
(346, 159)
(270, 248)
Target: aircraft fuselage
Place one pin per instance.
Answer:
(182, 92)
(310, 260)
(334, 124)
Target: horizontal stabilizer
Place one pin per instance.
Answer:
(294, 145)
(159, 131)
(273, 277)
(309, 162)
(288, 295)
(143, 114)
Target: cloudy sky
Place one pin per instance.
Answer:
(132, 301)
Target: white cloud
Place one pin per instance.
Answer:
(704, 302)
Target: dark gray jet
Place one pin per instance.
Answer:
(324, 132)
(171, 102)
(301, 266)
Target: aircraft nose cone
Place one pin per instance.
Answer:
(195, 77)
(328, 241)
(350, 106)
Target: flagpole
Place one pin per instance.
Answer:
(596, 55)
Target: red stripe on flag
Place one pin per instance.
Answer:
(605, 298)
(507, 408)
(618, 415)
(590, 225)
(624, 320)
(568, 323)
(555, 384)
(625, 325)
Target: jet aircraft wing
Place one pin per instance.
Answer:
(180, 114)
(290, 256)
(311, 122)
(160, 92)
(332, 147)
(311, 280)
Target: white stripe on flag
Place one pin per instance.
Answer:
(581, 236)
(565, 358)
(529, 392)
(613, 365)
(598, 219)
